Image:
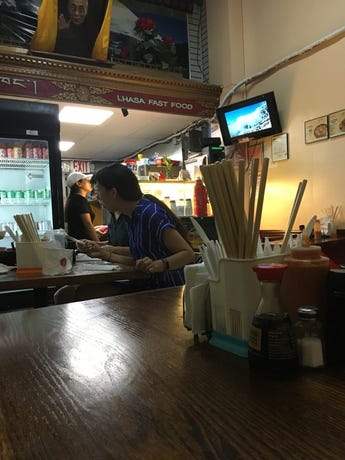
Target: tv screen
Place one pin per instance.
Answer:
(250, 119)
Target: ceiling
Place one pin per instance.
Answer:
(120, 136)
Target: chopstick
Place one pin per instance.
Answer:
(253, 178)
(298, 198)
(27, 225)
(259, 205)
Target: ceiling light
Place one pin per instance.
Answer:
(83, 116)
(65, 145)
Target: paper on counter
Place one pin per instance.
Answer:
(104, 267)
(82, 257)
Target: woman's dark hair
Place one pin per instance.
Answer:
(120, 177)
(126, 183)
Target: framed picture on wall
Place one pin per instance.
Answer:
(336, 123)
(280, 147)
(316, 129)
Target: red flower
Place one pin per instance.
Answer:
(145, 24)
(168, 40)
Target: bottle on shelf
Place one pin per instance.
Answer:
(200, 199)
(17, 150)
(317, 231)
(3, 153)
(189, 207)
(173, 206)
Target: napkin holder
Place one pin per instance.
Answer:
(196, 300)
(235, 293)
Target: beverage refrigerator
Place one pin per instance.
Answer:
(30, 165)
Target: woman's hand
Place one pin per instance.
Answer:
(91, 248)
(148, 265)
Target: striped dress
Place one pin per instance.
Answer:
(146, 228)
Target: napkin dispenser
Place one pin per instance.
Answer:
(196, 299)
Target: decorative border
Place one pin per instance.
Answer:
(118, 85)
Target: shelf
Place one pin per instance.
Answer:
(20, 163)
(168, 181)
(33, 203)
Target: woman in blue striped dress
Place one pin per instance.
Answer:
(157, 243)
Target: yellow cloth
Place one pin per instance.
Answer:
(100, 49)
(47, 23)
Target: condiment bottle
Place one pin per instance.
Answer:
(269, 276)
(308, 331)
(200, 199)
(272, 345)
(304, 281)
(272, 348)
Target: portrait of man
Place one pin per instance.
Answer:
(74, 33)
(74, 27)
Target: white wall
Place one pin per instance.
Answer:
(247, 36)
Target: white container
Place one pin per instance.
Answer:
(56, 261)
(28, 255)
(235, 294)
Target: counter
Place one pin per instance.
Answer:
(121, 378)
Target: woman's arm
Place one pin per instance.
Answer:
(182, 254)
(89, 228)
(114, 254)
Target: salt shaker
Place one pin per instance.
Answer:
(309, 335)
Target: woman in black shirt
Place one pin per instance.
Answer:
(78, 213)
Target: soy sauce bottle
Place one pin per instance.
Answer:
(272, 347)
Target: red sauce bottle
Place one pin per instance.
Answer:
(200, 199)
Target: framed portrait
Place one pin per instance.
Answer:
(336, 123)
(279, 147)
(316, 129)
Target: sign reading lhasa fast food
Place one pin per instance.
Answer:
(60, 91)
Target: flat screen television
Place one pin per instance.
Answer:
(250, 119)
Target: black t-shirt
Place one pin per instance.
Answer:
(76, 206)
(117, 231)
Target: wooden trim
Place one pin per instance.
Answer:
(82, 81)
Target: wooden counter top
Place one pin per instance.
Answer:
(121, 378)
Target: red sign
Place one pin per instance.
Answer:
(94, 95)
(81, 166)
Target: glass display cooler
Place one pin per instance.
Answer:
(30, 165)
